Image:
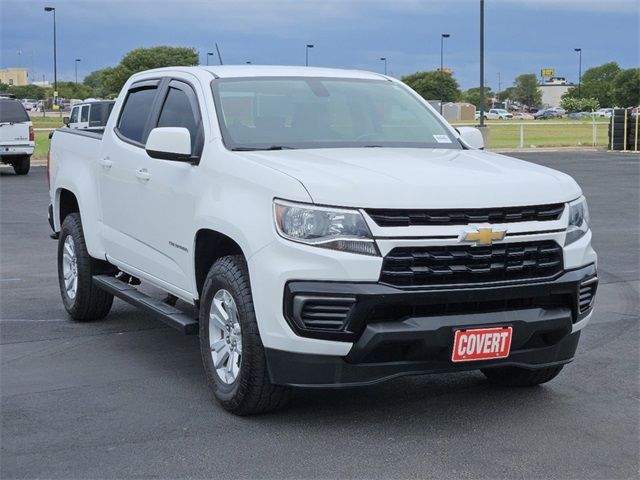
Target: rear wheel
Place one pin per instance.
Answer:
(21, 165)
(230, 344)
(82, 299)
(521, 377)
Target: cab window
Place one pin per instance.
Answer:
(180, 110)
(84, 114)
(135, 114)
(74, 115)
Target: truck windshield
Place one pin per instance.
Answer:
(309, 112)
(12, 111)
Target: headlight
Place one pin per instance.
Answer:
(334, 228)
(578, 220)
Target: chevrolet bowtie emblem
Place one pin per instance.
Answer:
(483, 236)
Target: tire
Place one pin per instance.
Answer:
(21, 165)
(521, 377)
(87, 302)
(246, 388)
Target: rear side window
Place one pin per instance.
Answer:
(177, 111)
(12, 111)
(99, 114)
(135, 113)
(84, 114)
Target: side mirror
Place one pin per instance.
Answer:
(169, 143)
(472, 137)
(65, 120)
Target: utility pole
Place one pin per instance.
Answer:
(442, 77)
(76, 65)
(384, 59)
(55, 57)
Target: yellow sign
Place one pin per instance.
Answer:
(547, 72)
(484, 236)
(56, 107)
(55, 94)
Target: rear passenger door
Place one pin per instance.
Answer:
(120, 181)
(166, 201)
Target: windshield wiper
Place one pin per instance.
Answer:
(254, 149)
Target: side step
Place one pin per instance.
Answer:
(170, 315)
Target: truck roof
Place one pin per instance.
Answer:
(239, 71)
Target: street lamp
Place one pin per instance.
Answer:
(76, 65)
(209, 54)
(384, 59)
(482, 63)
(306, 51)
(579, 50)
(442, 37)
(55, 53)
(248, 62)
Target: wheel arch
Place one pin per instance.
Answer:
(67, 202)
(209, 246)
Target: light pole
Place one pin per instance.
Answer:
(442, 37)
(209, 54)
(55, 54)
(482, 63)
(248, 62)
(306, 52)
(76, 65)
(579, 50)
(384, 59)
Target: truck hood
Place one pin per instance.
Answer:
(419, 178)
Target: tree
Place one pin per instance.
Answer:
(73, 90)
(597, 83)
(582, 104)
(526, 90)
(141, 59)
(24, 91)
(473, 96)
(434, 85)
(508, 93)
(625, 88)
(96, 80)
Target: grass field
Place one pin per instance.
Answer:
(503, 134)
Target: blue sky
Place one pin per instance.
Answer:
(522, 36)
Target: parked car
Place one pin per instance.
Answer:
(580, 115)
(319, 250)
(30, 104)
(522, 116)
(545, 114)
(604, 112)
(89, 115)
(17, 139)
(559, 110)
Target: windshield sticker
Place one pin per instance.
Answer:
(442, 138)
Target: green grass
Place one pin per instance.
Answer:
(46, 122)
(42, 146)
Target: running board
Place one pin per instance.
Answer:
(170, 315)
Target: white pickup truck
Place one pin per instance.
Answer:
(330, 227)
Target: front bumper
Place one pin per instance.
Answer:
(398, 332)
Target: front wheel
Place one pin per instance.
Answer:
(232, 351)
(22, 165)
(521, 377)
(82, 299)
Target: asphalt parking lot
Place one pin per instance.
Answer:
(126, 397)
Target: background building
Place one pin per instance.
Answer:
(553, 89)
(14, 76)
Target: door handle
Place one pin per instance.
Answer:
(106, 163)
(143, 174)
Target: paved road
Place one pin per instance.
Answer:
(127, 397)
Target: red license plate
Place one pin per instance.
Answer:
(481, 344)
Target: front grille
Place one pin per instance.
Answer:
(318, 313)
(460, 264)
(409, 218)
(587, 294)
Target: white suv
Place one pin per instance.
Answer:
(17, 138)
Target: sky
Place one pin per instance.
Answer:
(521, 36)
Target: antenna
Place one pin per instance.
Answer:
(219, 56)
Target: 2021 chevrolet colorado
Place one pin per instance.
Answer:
(332, 229)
